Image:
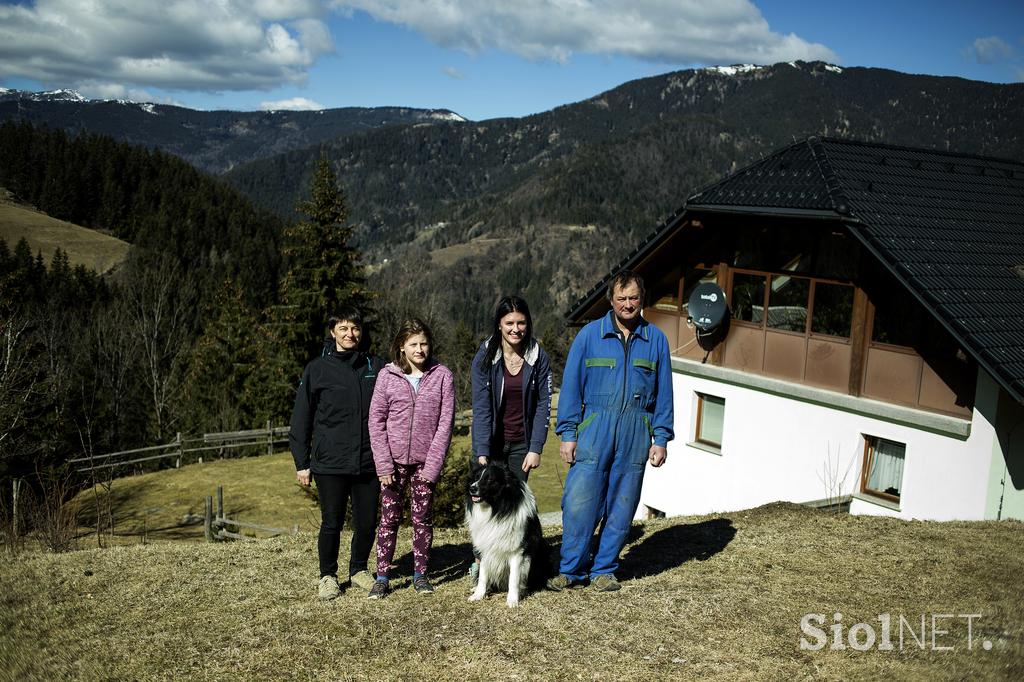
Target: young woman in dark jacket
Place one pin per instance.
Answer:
(511, 391)
(330, 443)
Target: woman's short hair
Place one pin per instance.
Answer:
(344, 313)
(407, 330)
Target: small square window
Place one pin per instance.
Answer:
(883, 468)
(710, 419)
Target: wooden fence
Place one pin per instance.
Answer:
(217, 525)
(180, 447)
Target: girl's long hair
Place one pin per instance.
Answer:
(509, 304)
(408, 329)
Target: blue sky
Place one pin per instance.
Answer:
(480, 58)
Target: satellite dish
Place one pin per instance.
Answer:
(707, 307)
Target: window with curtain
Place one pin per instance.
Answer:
(883, 467)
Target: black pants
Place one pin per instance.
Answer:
(513, 454)
(334, 491)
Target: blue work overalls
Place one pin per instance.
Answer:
(615, 401)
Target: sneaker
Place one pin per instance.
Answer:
(329, 588)
(379, 590)
(606, 582)
(474, 573)
(562, 582)
(422, 585)
(363, 580)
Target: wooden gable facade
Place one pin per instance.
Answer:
(874, 271)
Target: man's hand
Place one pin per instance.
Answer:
(303, 477)
(481, 460)
(532, 461)
(657, 454)
(568, 451)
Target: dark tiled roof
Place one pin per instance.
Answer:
(949, 226)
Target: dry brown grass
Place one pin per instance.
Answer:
(87, 247)
(717, 597)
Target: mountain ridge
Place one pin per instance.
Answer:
(213, 141)
(618, 162)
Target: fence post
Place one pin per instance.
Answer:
(15, 484)
(209, 519)
(270, 438)
(220, 503)
(177, 462)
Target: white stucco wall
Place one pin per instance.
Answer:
(780, 440)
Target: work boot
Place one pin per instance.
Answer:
(562, 582)
(606, 582)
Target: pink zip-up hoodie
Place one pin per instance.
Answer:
(412, 427)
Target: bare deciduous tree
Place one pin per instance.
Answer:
(159, 307)
(17, 379)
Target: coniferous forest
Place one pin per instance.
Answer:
(205, 327)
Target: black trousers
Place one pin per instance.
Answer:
(513, 454)
(334, 491)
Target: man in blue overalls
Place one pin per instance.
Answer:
(614, 416)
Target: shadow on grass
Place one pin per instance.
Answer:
(117, 500)
(448, 562)
(672, 547)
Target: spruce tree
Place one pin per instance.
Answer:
(220, 364)
(322, 271)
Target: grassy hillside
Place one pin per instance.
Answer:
(262, 490)
(713, 597)
(90, 248)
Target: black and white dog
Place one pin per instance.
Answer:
(501, 513)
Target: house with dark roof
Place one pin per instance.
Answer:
(873, 350)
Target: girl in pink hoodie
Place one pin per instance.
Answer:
(410, 425)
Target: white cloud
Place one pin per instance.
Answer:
(675, 31)
(97, 90)
(293, 104)
(452, 72)
(990, 50)
(170, 44)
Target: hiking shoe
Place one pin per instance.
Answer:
(363, 580)
(422, 585)
(474, 573)
(379, 590)
(606, 582)
(329, 588)
(562, 582)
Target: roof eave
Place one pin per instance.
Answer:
(768, 211)
(930, 307)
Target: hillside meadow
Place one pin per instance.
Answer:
(711, 597)
(167, 505)
(94, 250)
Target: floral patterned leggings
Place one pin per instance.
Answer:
(391, 516)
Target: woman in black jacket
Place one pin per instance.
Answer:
(330, 443)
